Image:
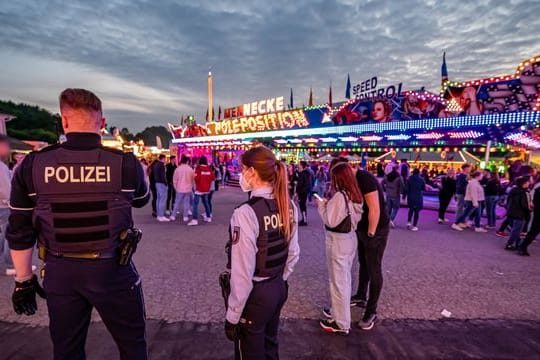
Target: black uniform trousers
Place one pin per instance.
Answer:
(259, 332)
(74, 287)
(370, 253)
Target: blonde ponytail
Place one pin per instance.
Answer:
(281, 195)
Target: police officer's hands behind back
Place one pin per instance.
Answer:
(232, 331)
(24, 296)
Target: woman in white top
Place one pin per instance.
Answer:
(340, 215)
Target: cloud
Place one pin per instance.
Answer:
(151, 58)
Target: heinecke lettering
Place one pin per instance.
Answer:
(77, 174)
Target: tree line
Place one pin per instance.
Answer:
(34, 123)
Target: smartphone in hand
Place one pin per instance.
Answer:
(318, 197)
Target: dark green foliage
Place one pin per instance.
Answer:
(31, 122)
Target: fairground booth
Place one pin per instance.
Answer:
(483, 121)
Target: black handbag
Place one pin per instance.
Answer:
(345, 226)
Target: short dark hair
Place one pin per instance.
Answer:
(416, 171)
(520, 181)
(203, 160)
(184, 159)
(303, 163)
(172, 157)
(80, 99)
(161, 157)
(476, 174)
(465, 166)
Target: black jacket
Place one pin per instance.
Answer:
(304, 182)
(492, 187)
(158, 173)
(448, 187)
(518, 203)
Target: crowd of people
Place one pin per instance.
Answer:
(178, 189)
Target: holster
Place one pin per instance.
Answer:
(129, 239)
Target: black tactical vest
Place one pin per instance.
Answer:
(272, 248)
(80, 203)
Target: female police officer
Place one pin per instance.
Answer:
(264, 239)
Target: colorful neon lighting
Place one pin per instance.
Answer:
(398, 137)
(524, 139)
(465, 134)
(529, 117)
(348, 138)
(371, 138)
(429, 136)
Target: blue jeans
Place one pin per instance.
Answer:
(5, 254)
(491, 205)
(161, 198)
(205, 202)
(392, 204)
(460, 205)
(182, 198)
(516, 224)
(469, 208)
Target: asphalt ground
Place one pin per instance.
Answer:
(493, 297)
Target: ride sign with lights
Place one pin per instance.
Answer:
(255, 108)
(275, 121)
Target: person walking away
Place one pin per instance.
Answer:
(404, 169)
(203, 178)
(518, 211)
(414, 192)
(340, 216)
(491, 192)
(462, 179)
(372, 236)
(303, 188)
(321, 180)
(78, 218)
(160, 179)
(535, 224)
(293, 178)
(171, 192)
(474, 198)
(394, 187)
(446, 192)
(183, 185)
(264, 250)
(5, 190)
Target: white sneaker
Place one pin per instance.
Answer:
(463, 225)
(392, 225)
(172, 218)
(186, 219)
(414, 228)
(409, 225)
(163, 219)
(190, 213)
(167, 213)
(193, 222)
(456, 227)
(208, 219)
(440, 221)
(480, 230)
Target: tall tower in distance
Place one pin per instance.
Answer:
(210, 110)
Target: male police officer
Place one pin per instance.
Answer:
(76, 199)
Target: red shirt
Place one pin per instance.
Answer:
(204, 175)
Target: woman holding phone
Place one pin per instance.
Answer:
(340, 216)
